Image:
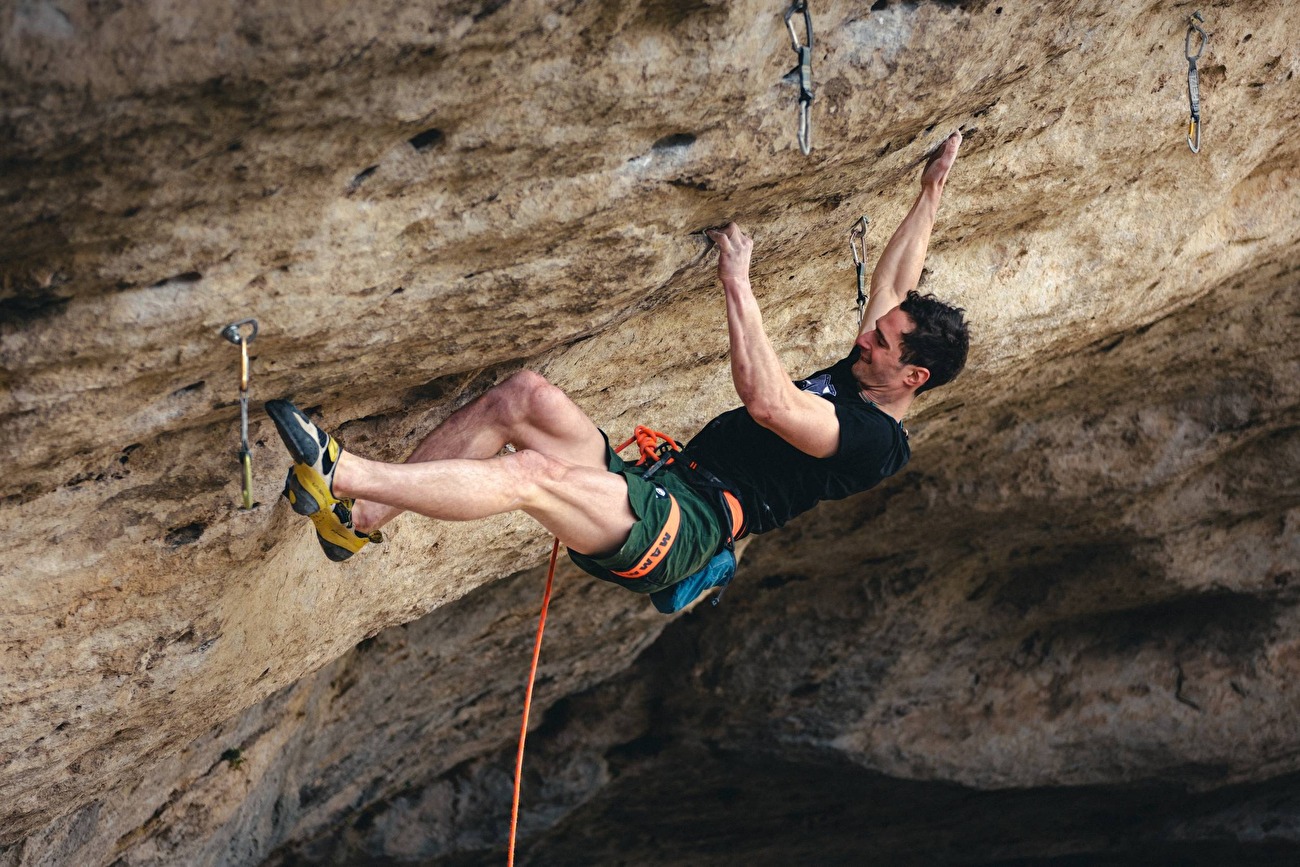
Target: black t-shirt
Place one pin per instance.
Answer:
(776, 481)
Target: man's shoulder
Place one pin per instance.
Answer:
(821, 384)
(870, 432)
(834, 383)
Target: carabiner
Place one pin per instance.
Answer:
(804, 69)
(799, 6)
(1194, 80)
(234, 332)
(858, 240)
(1193, 27)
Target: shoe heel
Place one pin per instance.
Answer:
(299, 498)
(334, 552)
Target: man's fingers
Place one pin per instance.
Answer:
(729, 238)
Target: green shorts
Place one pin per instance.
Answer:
(677, 531)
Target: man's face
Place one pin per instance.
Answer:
(880, 351)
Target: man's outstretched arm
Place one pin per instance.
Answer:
(899, 269)
(806, 422)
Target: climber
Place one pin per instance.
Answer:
(750, 470)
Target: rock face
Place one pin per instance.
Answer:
(1084, 585)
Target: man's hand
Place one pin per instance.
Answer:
(940, 162)
(734, 251)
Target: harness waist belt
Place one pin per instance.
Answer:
(728, 503)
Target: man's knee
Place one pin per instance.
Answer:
(526, 381)
(508, 402)
(535, 399)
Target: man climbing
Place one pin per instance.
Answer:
(667, 529)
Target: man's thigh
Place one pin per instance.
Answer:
(676, 532)
(554, 425)
(586, 508)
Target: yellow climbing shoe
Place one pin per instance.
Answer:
(307, 444)
(309, 494)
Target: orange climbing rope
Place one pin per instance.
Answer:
(647, 441)
(528, 700)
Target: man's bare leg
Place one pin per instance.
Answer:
(526, 411)
(584, 507)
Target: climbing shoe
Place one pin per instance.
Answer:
(309, 487)
(307, 443)
(309, 495)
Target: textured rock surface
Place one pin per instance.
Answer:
(1086, 578)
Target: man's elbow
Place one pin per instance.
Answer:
(890, 296)
(768, 413)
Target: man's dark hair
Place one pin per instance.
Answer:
(939, 341)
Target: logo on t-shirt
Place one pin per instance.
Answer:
(818, 385)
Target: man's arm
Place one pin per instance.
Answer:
(899, 269)
(803, 420)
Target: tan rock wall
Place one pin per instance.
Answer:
(1120, 455)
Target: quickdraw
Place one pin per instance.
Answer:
(1194, 80)
(858, 246)
(803, 69)
(234, 332)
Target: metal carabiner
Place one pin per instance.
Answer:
(858, 246)
(1194, 27)
(858, 240)
(1194, 80)
(234, 332)
(804, 68)
(796, 7)
(805, 127)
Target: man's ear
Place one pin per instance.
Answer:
(916, 377)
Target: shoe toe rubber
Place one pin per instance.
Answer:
(300, 436)
(338, 540)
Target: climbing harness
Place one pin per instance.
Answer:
(660, 450)
(528, 701)
(1194, 80)
(858, 246)
(234, 332)
(804, 70)
(655, 447)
